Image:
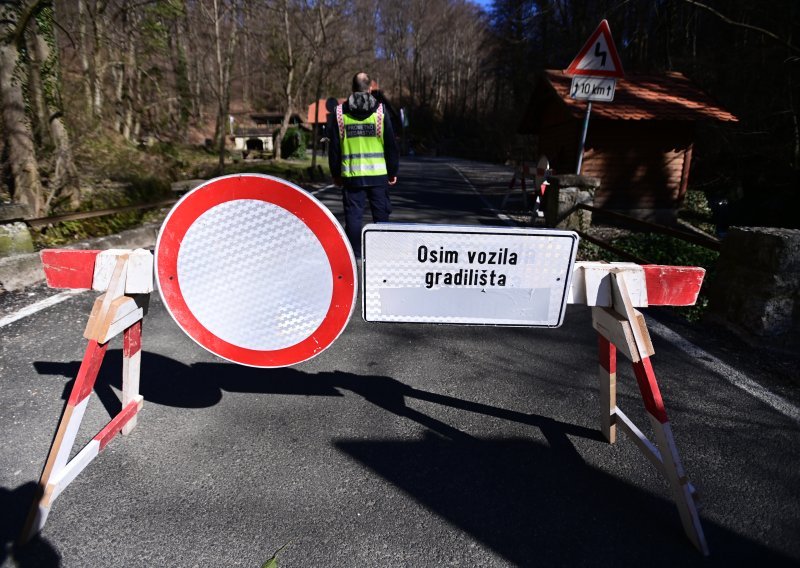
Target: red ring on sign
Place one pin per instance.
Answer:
(297, 202)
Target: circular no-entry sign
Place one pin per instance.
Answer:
(256, 270)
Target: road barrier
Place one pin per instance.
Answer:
(613, 291)
(126, 279)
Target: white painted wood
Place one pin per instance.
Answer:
(131, 367)
(68, 439)
(139, 276)
(101, 312)
(681, 488)
(63, 477)
(140, 272)
(123, 323)
(591, 283)
(623, 305)
(617, 330)
(646, 446)
(636, 282)
(36, 520)
(608, 403)
(597, 283)
(104, 266)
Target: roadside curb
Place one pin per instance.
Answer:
(17, 272)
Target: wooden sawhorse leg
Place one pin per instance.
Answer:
(59, 471)
(624, 328)
(607, 373)
(112, 313)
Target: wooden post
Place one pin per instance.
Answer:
(682, 491)
(582, 143)
(607, 373)
(131, 365)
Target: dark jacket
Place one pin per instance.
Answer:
(367, 106)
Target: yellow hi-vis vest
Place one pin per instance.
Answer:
(362, 144)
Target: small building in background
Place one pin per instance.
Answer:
(257, 137)
(639, 146)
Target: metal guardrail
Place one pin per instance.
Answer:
(624, 255)
(707, 242)
(44, 221)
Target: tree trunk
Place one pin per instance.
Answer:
(83, 49)
(99, 40)
(224, 65)
(287, 113)
(118, 76)
(36, 95)
(315, 141)
(182, 80)
(131, 79)
(25, 185)
(65, 183)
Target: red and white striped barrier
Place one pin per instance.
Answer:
(126, 277)
(612, 290)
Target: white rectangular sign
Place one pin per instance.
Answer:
(593, 88)
(466, 275)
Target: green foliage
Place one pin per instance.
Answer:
(591, 252)
(296, 171)
(663, 249)
(294, 144)
(132, 189)
(273, 561)
(154, 27)
(51, 79)
(696, 203)
(697, 212)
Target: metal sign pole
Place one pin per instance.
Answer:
(583, 137)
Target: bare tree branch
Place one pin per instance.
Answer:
(727, 20)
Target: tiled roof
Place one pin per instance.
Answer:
(323, 111)
(670, 96)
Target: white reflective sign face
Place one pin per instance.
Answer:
(256, 270)
(254, 275)
(466, 275)
(593, 88)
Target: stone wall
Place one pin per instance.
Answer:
(14, 237)
(757, 282)
(564, 193)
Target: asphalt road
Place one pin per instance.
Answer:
(401, 445)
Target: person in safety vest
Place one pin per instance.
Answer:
(363, 158)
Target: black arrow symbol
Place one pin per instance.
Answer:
(599, 53)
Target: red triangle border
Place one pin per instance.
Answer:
(603, 29)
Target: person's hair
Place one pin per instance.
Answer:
(361, 83)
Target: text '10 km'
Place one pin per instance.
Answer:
(593, 88)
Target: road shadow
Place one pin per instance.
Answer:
(168, 382)
(538, 505)
(534, 504)
(14, 506)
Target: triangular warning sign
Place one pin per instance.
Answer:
(598, 57)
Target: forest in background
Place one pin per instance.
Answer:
(85, 82)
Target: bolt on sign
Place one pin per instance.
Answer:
(466, 275)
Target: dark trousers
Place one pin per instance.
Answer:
(354, 200)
